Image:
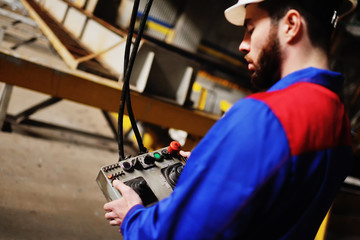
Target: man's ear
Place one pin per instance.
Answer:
(292, 23)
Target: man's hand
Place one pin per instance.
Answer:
(117, 209)
(185, 154)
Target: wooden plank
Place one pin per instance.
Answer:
(67, 47)
(57, 9)
(100, 93)
(80, 3)
(94, 34)
(17, 17)
(98, 38)
(52, 37)
(75, 22)
(90, 6)
(94, 55)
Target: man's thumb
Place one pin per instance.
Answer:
(119, 185)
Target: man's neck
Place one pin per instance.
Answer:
(299, 58)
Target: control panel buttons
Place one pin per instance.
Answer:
(111, 167)
(158, 157)
(166, 154)
(136, 163)
(174, 148)
(115, 175)
(127, 166)
(143, 173)
(172, 173)
(149, 159)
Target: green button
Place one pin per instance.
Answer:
(157, 155)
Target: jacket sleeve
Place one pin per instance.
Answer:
(211, 199)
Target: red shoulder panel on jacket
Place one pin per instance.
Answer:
(312, 116)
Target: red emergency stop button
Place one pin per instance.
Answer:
(174, 148)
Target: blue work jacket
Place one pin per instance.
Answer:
(269, 169)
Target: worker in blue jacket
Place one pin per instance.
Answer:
(272, 166)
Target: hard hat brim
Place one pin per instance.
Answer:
(236, 13)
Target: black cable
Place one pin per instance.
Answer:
(128, 65)
(123, 94)
(130, 34)
(129, 71)
(142, 149)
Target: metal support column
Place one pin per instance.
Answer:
(5, 94)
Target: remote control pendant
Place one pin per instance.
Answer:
(152, 175)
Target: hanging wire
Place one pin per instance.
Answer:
(123, 94)
(128, 65)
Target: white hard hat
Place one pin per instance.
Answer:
(236, 13)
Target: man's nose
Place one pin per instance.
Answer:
(244, 47)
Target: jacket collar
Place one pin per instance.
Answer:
(329, 79)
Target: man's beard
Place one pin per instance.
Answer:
(267, 71)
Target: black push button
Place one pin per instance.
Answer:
(149, 159)
(127, 166)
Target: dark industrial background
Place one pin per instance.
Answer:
(47, 173)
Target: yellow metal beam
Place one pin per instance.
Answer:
(322, 230)
(99, 92)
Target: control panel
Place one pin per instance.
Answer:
(152, 175)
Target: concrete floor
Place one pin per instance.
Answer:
(47, 178)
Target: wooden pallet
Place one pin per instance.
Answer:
(73, 52)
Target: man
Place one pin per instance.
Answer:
(271, 167)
